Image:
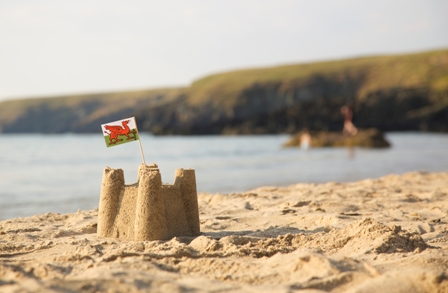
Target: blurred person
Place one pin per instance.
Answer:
(349, 128)
(305, 139)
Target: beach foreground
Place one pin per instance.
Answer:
(378, 235)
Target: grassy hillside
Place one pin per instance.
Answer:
(83, 109)
(429, 69)
(231, 97)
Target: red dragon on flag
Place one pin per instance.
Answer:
(113, 131)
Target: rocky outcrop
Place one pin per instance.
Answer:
(367, 138)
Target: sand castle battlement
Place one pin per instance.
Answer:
(148, 209)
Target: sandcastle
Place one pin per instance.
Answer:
(148, 209)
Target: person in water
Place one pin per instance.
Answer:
(349, 128)
(305, 139)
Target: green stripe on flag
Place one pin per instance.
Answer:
(121, 139)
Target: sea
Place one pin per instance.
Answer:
(62, 173)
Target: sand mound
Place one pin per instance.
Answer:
(370, 236)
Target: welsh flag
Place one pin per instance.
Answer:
(119, 132)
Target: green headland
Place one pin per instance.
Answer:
(391, 93)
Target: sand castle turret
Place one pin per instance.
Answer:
(148, 209)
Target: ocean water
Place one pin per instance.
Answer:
(62, 173)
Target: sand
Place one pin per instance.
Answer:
(381, 235)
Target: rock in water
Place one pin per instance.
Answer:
(367, 138)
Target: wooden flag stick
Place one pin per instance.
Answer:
(141, 150)
(139, 142)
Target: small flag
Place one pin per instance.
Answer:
(119, 132)
(122, 131)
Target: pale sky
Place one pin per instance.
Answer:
(52, 47)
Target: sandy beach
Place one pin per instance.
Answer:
(378, 235)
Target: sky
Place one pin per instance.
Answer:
(53, 47)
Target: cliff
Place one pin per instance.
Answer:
(391, 93)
